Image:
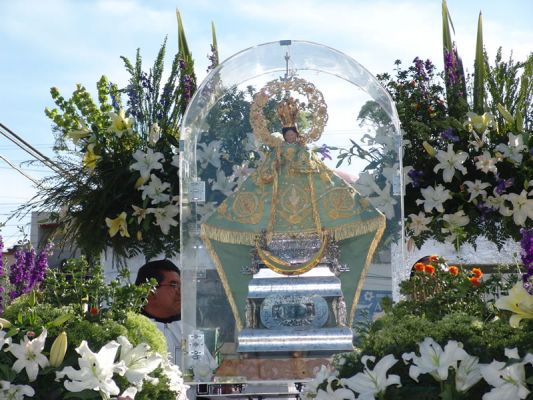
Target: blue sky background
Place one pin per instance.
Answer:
(64, 42)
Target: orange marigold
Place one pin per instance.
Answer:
(429, 269)
(420, 266)
(474, 281)
(477, 273)
(453, 270)
(433, 258)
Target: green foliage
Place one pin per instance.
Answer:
(143, 330)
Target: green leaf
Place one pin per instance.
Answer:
(446, 22)
(59, 320)
(479, 69)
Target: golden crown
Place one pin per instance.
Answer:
(288, 111)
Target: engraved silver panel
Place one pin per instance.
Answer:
(294, 311)
(325, 286)
(323, 339)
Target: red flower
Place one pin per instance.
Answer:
(474, 281)
(453, 270)
(93, 311)
(477, 273)
(429, 269)
(433, 258)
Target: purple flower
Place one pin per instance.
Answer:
(213, 58)
(527, 249)
(503, 184)
(450, 66)
(415, 176)
(324, 152)
(483, 209)
(450, 134)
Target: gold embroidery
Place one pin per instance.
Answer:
(247, 208)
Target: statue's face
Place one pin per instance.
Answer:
(290, 136)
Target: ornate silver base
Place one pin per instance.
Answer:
(337, 339)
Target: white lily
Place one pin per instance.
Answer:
(508, 379)
(453, 223)
(476, 188)
(96, 370)
(522, 207)
(146, 162)
(338, 394)
(8, 391)
(486, 163)
(155, 190)
(498, 202)
(29, 355)
(371, 383)
(419, 223)
(322, 374)
(222, 183)
(384, 201)
(175, 379)
(209, 154)
(434, 198)
(139, 360)
(433, 360)
(449, 161)
(240, 173)
(513, 150)
(164, 217)
(140, 212)
(468, 373)
(366, 184)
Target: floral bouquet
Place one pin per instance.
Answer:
(116, 181)
(78, 337)
(457, 335)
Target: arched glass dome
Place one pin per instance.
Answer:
(361, 143)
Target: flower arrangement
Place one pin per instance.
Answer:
(458, 334)
(117, 159)
(467, 147)
(78, 337)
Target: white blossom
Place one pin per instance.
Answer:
(468, 373)
(8, 391)
(513, 150)
(209, 154)
(508, 379)
(164, 217)
(384, 202)
(522, 207)
(146, 162)
(449, 161)
(434, 198)
(29, 355)
(96, 370)
(155, 190)
(434, 360)
(139, 360)
(419, 223)
(370, 383)
(486, 163)
(222, 183)
(476, 189)
(453, 223)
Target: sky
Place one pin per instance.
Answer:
(64, 42)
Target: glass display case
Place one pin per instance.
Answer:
(290, 160)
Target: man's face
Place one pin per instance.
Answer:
(166, 301)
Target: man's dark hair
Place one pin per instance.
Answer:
(153, 269)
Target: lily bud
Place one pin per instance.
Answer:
(430, 150)
(4, 323)
(58, 350)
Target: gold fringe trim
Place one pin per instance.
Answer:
(316, 214)
(346, 231)
(369, 256)
(224, 279)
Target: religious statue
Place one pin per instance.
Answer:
(292, 214)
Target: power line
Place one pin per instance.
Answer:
(18, 170)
